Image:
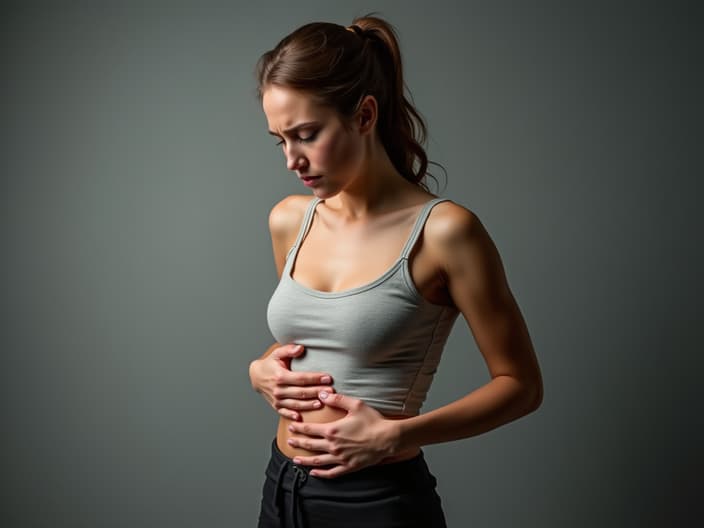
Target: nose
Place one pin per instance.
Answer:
(294, 159)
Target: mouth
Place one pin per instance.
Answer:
(309, 180)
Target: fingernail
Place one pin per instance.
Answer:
(297, 348)
(296, 460)
(290, 428)
(323, 395)
(316, 404)
(325, 379)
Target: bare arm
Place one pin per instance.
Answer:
(477, 284)
(471, 268)
(287, 392)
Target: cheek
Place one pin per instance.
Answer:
(337, 151)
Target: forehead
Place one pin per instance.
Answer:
(285, 108)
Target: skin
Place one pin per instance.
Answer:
(369, 204)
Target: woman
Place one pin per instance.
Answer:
(374, 270)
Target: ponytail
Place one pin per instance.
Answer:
(338, 66)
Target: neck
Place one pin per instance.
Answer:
(376, 188)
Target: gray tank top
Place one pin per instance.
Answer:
(381, 342)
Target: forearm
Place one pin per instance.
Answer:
(252, 364)
(500, 401)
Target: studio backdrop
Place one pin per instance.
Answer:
(136, 181)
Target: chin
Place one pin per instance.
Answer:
(324, 193)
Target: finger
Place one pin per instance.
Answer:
(294, 392)
(299, 405)
(288, 413)
(288, 351)
(323, 459)
(313, 444)
(304, 379)
(308, 429)
(340, 401)
(284, 376)
(332, 472)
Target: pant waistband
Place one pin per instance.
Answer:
(413, 472)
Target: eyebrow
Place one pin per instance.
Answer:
(293, 129)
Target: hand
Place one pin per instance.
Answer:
(362, 438)
(287, 392)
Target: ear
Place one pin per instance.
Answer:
(366, 116)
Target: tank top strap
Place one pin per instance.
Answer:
(418, 227)
(305, 226)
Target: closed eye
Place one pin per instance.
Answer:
(307, 139)
(300, 139)
(309, 130)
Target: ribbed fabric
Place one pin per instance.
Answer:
(381, 342)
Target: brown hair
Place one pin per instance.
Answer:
(339, 66)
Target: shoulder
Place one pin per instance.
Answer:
(286, 216)
(455, 236)
(450, 223)
(285, 220)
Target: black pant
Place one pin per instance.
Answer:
(397, 495)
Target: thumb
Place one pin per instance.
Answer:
(289, 351)
(339, 400)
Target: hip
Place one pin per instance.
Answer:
(394, 495)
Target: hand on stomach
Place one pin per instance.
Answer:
(326, 415)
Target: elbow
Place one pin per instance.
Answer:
(528, 396)
(538, 400)
(533, 396)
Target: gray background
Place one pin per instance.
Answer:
(137, 176)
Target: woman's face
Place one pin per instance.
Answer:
(325, 155)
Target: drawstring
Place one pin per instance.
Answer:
(300, 476)
(277, 490)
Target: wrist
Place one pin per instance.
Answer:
(393, 437)
(252, 374)
(404, 440)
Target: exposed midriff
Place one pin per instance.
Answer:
(327, 415)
